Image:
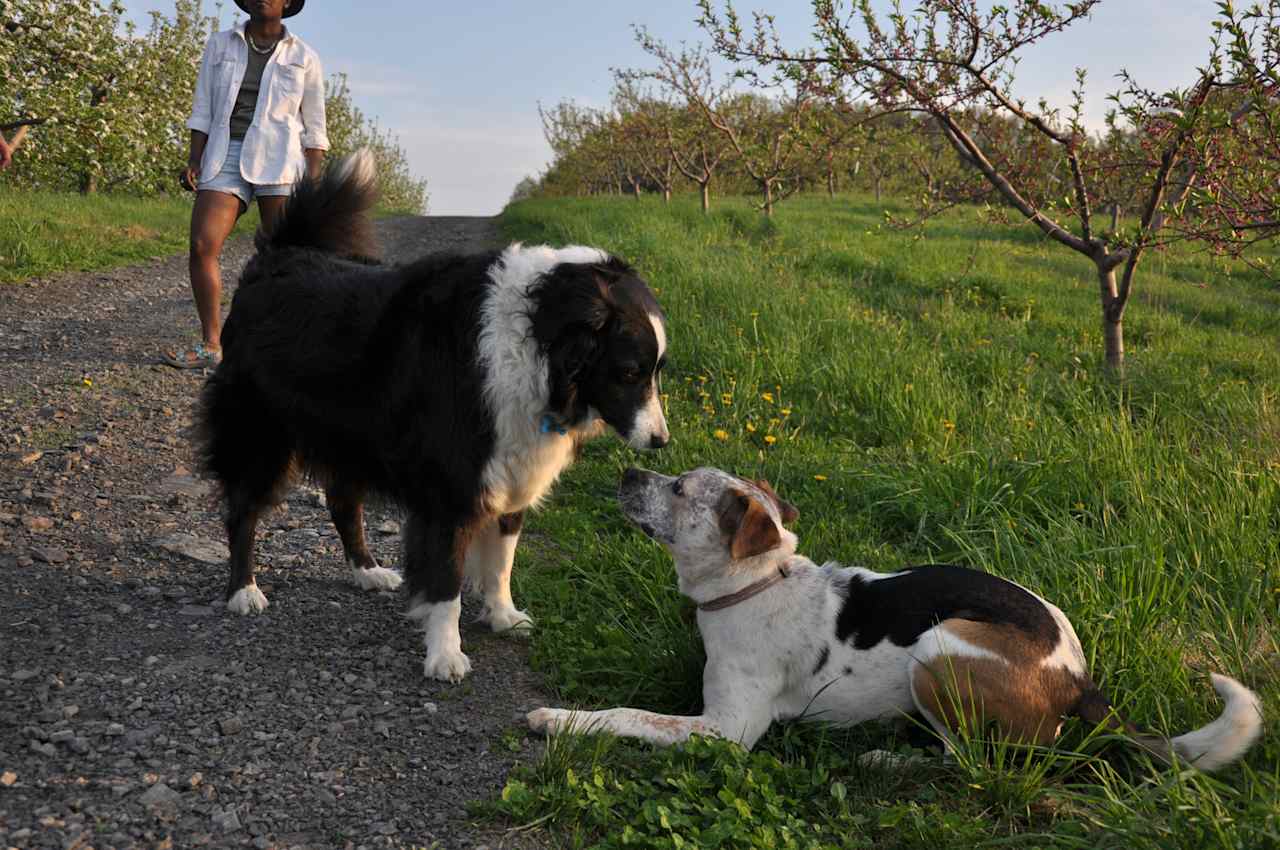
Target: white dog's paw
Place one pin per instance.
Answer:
(375, 578)
(548, 721)
(247, 600)
(510, 620)
(447, 666)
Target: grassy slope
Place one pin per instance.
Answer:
(45, 232)
(934, 399)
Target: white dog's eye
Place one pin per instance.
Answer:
(677, 488)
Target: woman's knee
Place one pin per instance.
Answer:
(211, 223)
(205, 246)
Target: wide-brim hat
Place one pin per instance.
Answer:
(294, 8)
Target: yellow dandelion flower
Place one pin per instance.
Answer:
(775, 422)
(720, 434)
(751, 428)
(726, 399)
(1078, 506)
(704, 378)
(770, 439)
(819, 478)
(908, 388)
(767, 397)
(88, 382)
(786, 411)
(948, 425)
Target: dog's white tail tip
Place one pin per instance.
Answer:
(1228, 737)
(360, 167)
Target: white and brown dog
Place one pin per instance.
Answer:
(786, 638)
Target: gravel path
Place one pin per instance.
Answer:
(134, 712)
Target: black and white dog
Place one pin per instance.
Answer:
(457, 386)
(786, 638)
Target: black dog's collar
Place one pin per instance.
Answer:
(549, 423)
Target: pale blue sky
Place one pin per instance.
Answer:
(460, 82)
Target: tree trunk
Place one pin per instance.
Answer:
(706, 197)
(666, 194)
(88, 183)
(1115, 217)
(878, 179)
(768, 198)
(635, 187)
(831, 184)
(1112, 320)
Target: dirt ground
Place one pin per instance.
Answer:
(134, 711)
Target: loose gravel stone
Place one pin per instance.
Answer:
(159, 795)
(227, 821)
(50, 554)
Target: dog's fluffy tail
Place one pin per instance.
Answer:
(1210, 747)
(330, 213)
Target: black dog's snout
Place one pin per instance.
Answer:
(657, 441)
(631, 475)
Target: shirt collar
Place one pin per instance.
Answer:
(239, 30)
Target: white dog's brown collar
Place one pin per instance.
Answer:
(731, 599)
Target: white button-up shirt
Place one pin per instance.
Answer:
(289, 116)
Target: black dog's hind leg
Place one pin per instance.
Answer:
(243, 595)
(435, 550)
(346, 508)
(250, 456)
(265, 472)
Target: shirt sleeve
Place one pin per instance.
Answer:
(202, 108)
(314, 131)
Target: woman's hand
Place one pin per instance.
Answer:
(315, 162)
(190, 176)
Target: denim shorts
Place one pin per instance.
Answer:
(230, 181)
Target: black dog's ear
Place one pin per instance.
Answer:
(574, 307)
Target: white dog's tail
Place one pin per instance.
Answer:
(1210, 747)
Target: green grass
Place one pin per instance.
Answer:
(42, 233)
(46, 232)
(929, 399)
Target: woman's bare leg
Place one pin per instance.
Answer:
(269, 208)
(212, 219)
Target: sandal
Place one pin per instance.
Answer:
(197, 357)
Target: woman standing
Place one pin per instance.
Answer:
(257, 122)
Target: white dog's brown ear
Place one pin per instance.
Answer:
(789, 512)
(748, 524)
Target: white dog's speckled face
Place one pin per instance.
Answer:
(707, 519)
